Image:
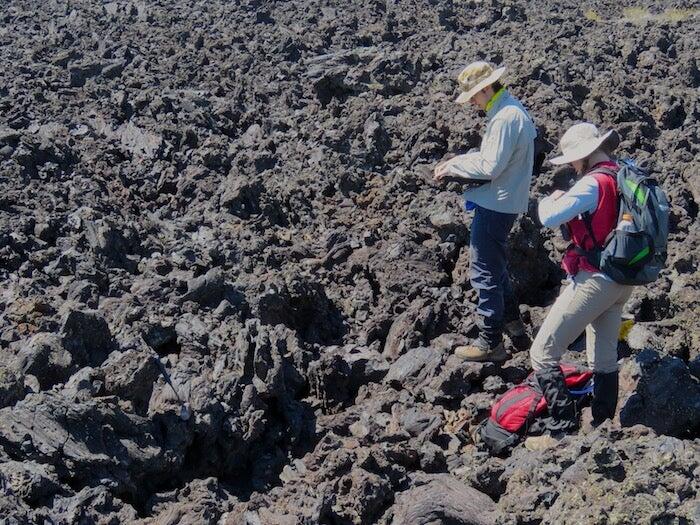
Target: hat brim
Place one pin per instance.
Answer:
(611, 138)
(466, 96)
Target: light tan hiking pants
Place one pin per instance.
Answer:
(589, 302)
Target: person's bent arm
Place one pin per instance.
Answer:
(490, 161)
(558, 208)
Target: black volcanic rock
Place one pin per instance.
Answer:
(231, 288)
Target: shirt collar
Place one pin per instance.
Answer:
(494, 103)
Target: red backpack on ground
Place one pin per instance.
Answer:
(515, 411)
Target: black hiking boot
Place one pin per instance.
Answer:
(560, 404)
(515, 328)
(604, 401)
(517, 333)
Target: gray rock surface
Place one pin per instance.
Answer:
(649, 399)
(444, 499)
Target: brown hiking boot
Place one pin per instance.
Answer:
(480, 351)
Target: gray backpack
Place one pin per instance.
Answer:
(634, 257)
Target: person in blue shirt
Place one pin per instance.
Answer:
(503, 165)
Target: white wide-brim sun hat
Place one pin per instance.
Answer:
(475, 77)
(580, 140)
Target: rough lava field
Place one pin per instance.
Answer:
(237, 196)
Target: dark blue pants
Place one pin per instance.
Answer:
(489, 273)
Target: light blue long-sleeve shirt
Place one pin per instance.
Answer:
(504, 160)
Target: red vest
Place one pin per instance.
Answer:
(603, 221)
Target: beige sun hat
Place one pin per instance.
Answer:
(475, 77)
(580, 140)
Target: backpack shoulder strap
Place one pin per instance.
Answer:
(587, 219)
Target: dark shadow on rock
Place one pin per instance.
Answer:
(302, 305)
(87, 337)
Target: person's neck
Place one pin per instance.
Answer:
(494, 98)
(598, 158)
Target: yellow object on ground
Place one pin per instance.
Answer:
(625, 328)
